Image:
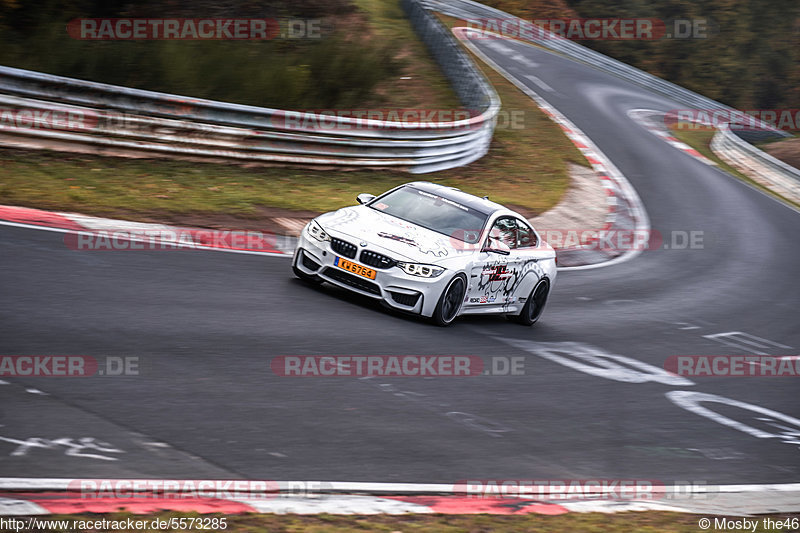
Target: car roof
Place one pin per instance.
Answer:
(477, 203)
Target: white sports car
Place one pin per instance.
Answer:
(431, 250)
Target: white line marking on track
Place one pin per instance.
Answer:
(193, 246)
(595, 361)
(745, 342)
(519, 58)
(692, 400)
(497, 46)
(538, 81)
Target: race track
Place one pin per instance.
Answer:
(205, 325)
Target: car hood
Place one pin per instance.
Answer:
(401, 239)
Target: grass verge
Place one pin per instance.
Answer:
(787, 150)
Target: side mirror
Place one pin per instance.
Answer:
(365, 198)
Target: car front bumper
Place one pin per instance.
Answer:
(412, 294)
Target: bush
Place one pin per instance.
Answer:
(309, 74)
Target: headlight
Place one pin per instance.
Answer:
(316, 231)
(423, 271)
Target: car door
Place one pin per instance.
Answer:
(494, 276)
(526, 260)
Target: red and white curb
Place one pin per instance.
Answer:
(625, 208)
(343, 504)
(646, 118)
(112, 233)
(41, 496)
(38, 496)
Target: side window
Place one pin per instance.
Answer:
(503, 234)
(525, 235)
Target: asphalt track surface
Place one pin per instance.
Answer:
(205, 326)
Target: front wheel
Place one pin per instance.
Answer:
(533, 308)
(450, 301)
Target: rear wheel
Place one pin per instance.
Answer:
(533, 308)
(450, 301)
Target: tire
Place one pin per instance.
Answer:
(450, 301)
(308, 278)
(534, 307)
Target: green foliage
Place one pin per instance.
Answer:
(533, 9)
(750, 59)
(330, 72)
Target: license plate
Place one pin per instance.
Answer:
(355, 268)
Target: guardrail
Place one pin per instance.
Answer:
(773, 173)
(122, 121)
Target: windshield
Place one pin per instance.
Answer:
(433, 212)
